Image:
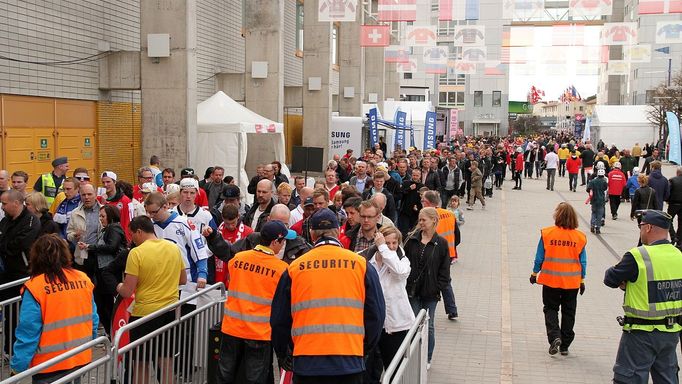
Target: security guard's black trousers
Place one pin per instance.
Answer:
(566, 300)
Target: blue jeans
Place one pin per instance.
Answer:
(597, 215)
(449, 299)
(430, 306)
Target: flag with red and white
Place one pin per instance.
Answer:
(375, 36)
(397, 10)
(337, 10)
(396, 54)
(656, 7)
(494, 68)
(449, 10)
(590, 8)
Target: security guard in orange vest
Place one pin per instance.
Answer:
(561, 261)
(328, 310)
(254, 275)
(448, 229)
(57, 312)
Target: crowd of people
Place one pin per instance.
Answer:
(388, 224)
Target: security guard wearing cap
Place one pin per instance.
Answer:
(328, 310)
(254, 275)
(50, 184)
(651, 276)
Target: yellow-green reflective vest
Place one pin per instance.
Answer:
(657, 293)
(50, 190)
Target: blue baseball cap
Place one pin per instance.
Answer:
(324, 219)
(654, 217)
(276, 230)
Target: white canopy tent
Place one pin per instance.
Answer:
(622, 125)
(228, 134)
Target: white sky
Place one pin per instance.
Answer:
(563, 71)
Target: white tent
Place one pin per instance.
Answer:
(623, 125)
(228, 133)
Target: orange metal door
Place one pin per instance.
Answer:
(76, 122)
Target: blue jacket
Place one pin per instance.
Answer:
(632, 184)
(660, 184)
(281, 322)
(31, 327)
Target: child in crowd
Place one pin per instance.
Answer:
(453, 206)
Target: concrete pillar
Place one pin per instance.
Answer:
(374, 74)
(317, 104)
(169, 83)
(392, 79)
(263, 27)
(351, 72)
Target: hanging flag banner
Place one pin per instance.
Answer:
(514, 55)
(586, 131)
(409, 66)
(590, 8)
(452, 10)
(637, 53)
(337, 10)
(474, 54)
(399, 139)
(436, 69)
(397, 10)
(495, 68)
(668, 32)
(430, 130)
(618, 68)
(373, 128)
(396, 54)
(375, 36)
(522, 9)
(657, 7)
(454, 123)
(518, 37)
(436, 55)
(473, 35)
(420, 35)
(619, 34)
(465, 67)
(674, 136)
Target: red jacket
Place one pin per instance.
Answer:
(518, 166)
(573, 165)
(617, 181)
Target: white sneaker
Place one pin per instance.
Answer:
(428, 366)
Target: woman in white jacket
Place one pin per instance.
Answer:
(388, 258)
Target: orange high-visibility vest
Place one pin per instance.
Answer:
(254, 275)
(446, 229)
(66, 310)
(561, 267)
(327, 302)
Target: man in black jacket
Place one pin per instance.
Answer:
(587, 158)
(450, 179)
(378, 181)
(18, 230)
(675, 206)
(430, 178)
(257, 215)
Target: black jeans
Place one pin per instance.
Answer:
(517, 179)
(614, 203)
(353, 378)
(675, 210)
(567, 300)
(389, 343)
(572, 181)
(373, 367)
(562, 168)
(252, 357)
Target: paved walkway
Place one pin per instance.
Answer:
(500, 335)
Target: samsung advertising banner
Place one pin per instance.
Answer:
(373, 128)
(400, 118)
(345, 133)
(430, 131)
(674, 137)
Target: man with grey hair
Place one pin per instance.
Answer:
(144, 176)
(360, 180)
(675, 206)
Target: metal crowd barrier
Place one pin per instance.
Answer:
(9, 315)
(97, 371)
(176, 352)
(409, 364)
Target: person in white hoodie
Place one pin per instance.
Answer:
(388, 258)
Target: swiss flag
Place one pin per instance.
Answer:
(375, 36)
(651, 7)
(397, 10)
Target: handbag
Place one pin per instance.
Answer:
(488, 183)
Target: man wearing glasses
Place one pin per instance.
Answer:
(651, 276)
(144, 176)
(369, 224)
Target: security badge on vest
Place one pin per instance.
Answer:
(654, 300)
